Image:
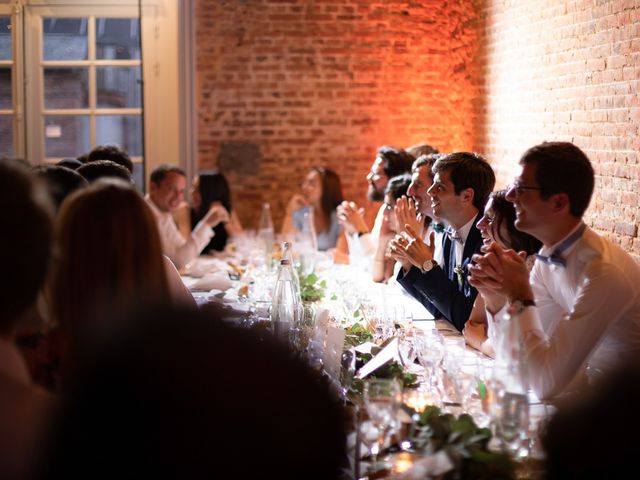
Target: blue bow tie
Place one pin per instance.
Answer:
(555, 258)
(453, 235)
(437, 227)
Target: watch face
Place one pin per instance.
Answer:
(427, 265)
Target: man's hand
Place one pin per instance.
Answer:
(351, 218)
(215, 215)
(406, 214)
(418, 251)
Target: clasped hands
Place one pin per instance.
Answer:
(216, 214)
(408, 248)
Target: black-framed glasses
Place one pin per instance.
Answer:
(519, 188)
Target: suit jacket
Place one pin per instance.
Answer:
(439, 290)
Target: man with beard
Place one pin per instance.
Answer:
(389, 162)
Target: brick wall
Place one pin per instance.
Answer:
(568, 71)
(287, 84)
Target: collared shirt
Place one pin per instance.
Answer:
(587, 314)
(180, 250)
(463, 233)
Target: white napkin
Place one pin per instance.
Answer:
(217, 280)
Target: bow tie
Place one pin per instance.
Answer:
(437, 227)
(453, 235)
(555, 258)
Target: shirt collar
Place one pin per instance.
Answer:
(463, 232)
(547, 251)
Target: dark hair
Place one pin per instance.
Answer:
(331, 191)
(428, 160)
(394, 160)
(161, 171)
(561, 167)
(420, 149)
(213, 187)
(468, 170)
(60, 181)
(397, 186)
(92, 171)
(162, 399)
(27, 235)
(505, 213)
(113, 153)
(72, 163)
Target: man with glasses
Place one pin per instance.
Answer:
(461, 185)
(578, 313)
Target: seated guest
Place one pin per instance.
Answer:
(109, 259)
(72, 163)
(182, 394)
(389, 162)
(209, 188)
(382, 267)
(166, 193)
(580, 306)
(321, 194)
(60, 181)
(92, 171)
(27, 232)
(497, 225)
(113, 153)
(461, 185)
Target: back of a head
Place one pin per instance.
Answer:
(561, 167)
(26, 240)
(109, 253)
(113, 153)
(468, 170)
(394, 160)
(72, 163)
(181, 394)
(92, 171)
(61, 181)
(420, 149)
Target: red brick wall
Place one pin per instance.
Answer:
(325, 82)
(568, 71)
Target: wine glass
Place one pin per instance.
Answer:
(382, 399)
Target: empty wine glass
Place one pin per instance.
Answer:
(382, 399)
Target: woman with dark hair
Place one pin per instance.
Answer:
(210, 187)
(321, 194)
(497, 225)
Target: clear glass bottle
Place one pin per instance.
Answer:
(307, 243)
(266, 233)
(285, 304)
(287, 253)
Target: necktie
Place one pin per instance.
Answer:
(556, 256)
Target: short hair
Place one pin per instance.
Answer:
(398, 185)
(394, 160)
(505, 214)
(331, 190)
(61, 181)
(428, 160)
(92, 171)
(468, 170)
(164, 378)
(159, 173)
(72, 163)
(113, 153)
(561, 167)
(27, 233)
(420, 149)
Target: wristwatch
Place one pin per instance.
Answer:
(428, 265)
(517, 305)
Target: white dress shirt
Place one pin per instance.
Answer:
(586, 315)
(180, 250)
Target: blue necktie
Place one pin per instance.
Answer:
(556, 258)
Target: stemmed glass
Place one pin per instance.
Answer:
(382, 399)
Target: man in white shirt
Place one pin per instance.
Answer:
(579, 310)
(166, 192)
(461, 185)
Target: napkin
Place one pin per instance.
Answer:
(210, 281)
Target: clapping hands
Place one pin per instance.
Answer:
(351, 217)
(216, 214)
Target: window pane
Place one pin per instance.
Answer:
(138, 176)
(5, 38)
(64, 38)
(117, 39)
(5, 88)
(66, 88)
(123, 130)
(6, 136)
(66, 135)
(119, 87)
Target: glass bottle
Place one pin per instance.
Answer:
(285, 303)
(307, 243)
(266, 234)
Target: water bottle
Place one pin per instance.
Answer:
(265, 230)
(285, 304)
(308, 243)
(287, 253)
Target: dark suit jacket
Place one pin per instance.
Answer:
(439, 290)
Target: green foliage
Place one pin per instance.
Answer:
(356, 335)
(312, 288)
